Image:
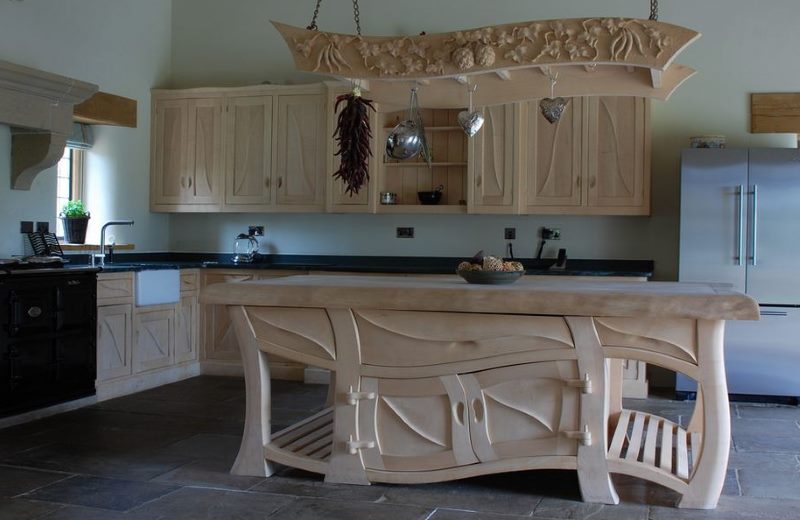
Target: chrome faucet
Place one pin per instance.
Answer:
(101, 258)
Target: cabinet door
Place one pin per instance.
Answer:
(416, 424)
(170, 148)
(248, 151)
(114, 341)
(492, 162)
(523, 410)
(153, 338)
(186, 329)
(552, 158)
(205, 152)
(618, 157)
(300, 152)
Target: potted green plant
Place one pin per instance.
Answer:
(75, 219)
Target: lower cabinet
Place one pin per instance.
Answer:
(114, 341)
(433, 423)
(141, 347)
(154, 338)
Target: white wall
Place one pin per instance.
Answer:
(746, 47)
(124, 47)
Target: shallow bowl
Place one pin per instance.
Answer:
(491, 277)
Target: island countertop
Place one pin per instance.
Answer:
(452, 294)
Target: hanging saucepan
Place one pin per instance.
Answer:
(407, 139)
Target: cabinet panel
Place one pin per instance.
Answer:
(219, 339)
(186, 329)
(170, 144)
(114, 341)
(493, 161)
(618, 153)
(248, 150)
(205, 152)
(300, 154)
(523, 410)
(552, 156)
(153, 338)
(417, 424)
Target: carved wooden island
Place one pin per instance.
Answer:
(436, 379)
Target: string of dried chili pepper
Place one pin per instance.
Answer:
(353, 136)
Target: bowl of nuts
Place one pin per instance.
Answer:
(490, 270)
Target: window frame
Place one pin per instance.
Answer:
(76, 175)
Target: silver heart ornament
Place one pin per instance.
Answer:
(470, 122)
(552, 108)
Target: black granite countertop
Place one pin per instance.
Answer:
(360, 264)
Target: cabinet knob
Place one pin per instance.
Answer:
(280, 181)
(35, 312)
(190, 182)
(592, 181)
(478, 180)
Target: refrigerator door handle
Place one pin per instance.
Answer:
(740, 227)
(774, 313)
(754, 227)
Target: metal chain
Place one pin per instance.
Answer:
(654, 10)
(356, 17)
(313, 25)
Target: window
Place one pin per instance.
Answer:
(70, 181)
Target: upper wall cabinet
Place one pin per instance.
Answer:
(495, 161)
(248, 152)
(552, 159)
(251, 149)
(618, 155)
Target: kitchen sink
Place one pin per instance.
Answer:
(157, 286)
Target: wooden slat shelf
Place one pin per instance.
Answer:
(306, 444)
(646, 443)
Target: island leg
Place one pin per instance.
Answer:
(593, 476)
(250, 460)
(712, 464)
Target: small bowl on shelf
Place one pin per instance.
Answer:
(430, 197)
(490, 277)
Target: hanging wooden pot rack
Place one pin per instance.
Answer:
(511, 62)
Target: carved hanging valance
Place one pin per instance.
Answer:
(582, 48)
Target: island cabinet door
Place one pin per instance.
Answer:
(416, 424)
(523, 410)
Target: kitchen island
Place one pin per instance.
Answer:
(435, 379)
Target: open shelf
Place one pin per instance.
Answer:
(647, 446)
(306, 444)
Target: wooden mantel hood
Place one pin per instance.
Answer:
(38, 106)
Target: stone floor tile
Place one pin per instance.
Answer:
(102, 493)
(775, 475)
(509, 493)
(734, 508)
(574, 510)
(456, 514)
(117, 463)
(756, 435)
(298, 483)
(208, 473)
(768, 412)
(207, 446)
(23, 509)
(83, 513)
(211, 504)
(15, 481)
(316, 509)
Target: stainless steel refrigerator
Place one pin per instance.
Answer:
(740, 224)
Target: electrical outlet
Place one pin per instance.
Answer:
(26, 226)
(43, 227)
(405, 232)
(510, 233)
(551, 234)
(256, 231)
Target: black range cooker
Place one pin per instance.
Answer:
(47, 336)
